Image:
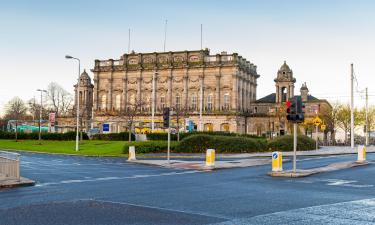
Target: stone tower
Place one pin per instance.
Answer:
(304, 92)
(284, 83)
(85, 90)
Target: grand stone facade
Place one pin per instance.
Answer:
(223, 86)
(228, 83)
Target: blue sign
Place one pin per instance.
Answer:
(105, 127)
(275, 155)
(191, 126)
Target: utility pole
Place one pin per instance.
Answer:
(367, 128)
(169, 137)
(40, 112)
(351, 106)
(201, 36)
(165, 34)
(129, 41)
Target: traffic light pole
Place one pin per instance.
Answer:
(294, 147)
(169, 137)
(317, 137)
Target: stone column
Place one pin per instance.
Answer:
(240, 92)
(170, 79)
(96, 91)
(156, 92)
(186, 89)
(109, 97)
(139, 89)
(277, 93)
(218, 92)
(125, 91)
(234, 93)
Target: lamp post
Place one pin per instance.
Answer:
(40, 112)
(77, 98)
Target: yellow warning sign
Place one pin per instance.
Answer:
(317, 121)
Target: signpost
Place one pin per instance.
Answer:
(52, 121)
(317, 122)
(295, 114)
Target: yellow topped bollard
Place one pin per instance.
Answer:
(131, 153)
(210, 158)
(361, 153)
(277, 162)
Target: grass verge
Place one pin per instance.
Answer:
(87, 148)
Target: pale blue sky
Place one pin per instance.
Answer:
(318, 39)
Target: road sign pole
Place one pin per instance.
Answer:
(316, 131)
(169, 137)
(294, 147)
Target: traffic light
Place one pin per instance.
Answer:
(295, 110)
(166, 112)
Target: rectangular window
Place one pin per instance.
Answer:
(194, 102)
(178, 101)
(209, 102)
(162, 102)
(226, 101)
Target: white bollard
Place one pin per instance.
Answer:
(210, 158)
(361, 153)
(131, 153)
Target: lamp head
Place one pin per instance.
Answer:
(68, 57)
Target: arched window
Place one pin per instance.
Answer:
(118, 102)
(104, 102)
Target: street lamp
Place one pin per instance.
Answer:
(40, 112)
(77, 98)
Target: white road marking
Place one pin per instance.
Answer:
(359, 212)
(115, 178)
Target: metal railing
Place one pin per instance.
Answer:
(9, 165)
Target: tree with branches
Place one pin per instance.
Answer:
(59, 100)
(180, 113)
(133, 108)
(16, 110)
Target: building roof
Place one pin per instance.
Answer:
(271, 98)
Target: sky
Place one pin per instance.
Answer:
(318, 39)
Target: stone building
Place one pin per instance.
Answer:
(227, 82)
(268, 115)
(223, 85)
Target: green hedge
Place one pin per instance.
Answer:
(164, 136)
(285, 143)
(150, 146)
(122, 136)
(68, 136)
(199, 143)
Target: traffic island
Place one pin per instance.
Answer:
(309, 172)
(12, 183)
(201, 165)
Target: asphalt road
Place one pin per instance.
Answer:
(80, 191)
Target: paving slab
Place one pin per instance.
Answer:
(309, 172)
(11, 183)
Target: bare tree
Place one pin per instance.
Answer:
(180, 112)
(16, 110)
(133, 108)
(59, 100)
